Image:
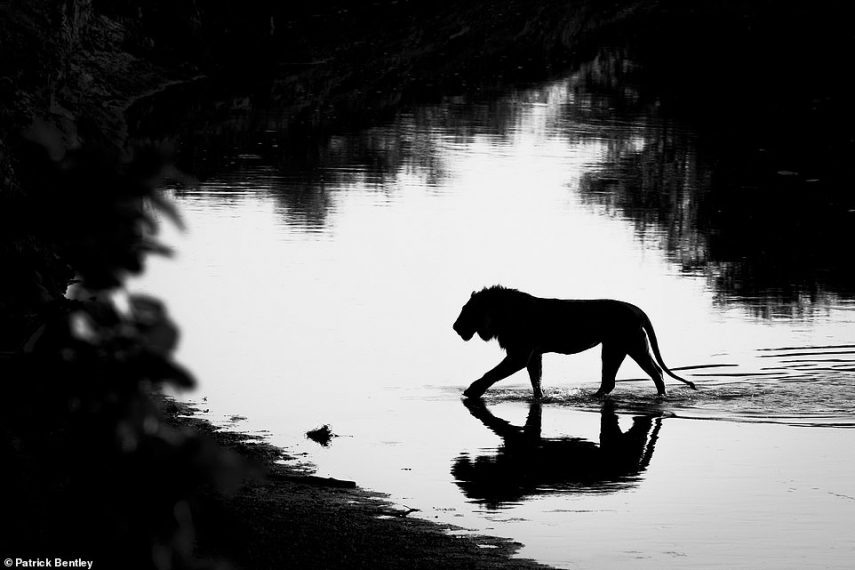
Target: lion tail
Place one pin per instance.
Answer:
(654, 345)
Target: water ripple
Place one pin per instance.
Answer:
(807, 390)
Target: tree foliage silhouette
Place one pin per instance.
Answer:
(92, 469)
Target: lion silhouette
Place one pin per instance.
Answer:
(527, 327)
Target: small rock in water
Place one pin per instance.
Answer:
(321, 435)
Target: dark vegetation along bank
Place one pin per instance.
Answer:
(95, 467)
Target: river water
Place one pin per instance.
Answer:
(322, 291)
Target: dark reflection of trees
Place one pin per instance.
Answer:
(414, 144)
(527, 464)
(410, 144)
(761, 208)
(767, 226)
(306, 204)
(375, 156)
(659, 187)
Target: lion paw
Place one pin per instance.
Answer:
(470, 394)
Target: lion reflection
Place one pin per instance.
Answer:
(527, 464)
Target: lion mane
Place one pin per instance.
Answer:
(506, 314)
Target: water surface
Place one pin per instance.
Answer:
(321, 290)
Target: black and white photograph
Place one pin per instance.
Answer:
(490, 284)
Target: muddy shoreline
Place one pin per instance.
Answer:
(283, 517)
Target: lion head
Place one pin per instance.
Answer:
(475, 317)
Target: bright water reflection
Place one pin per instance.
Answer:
(324, 291)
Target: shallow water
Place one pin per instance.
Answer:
(323, 292)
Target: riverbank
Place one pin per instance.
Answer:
(282, 517)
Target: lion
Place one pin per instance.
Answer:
(527, 327)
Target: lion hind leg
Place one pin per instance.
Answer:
(641, 354)
(612, 356)
(535, 371)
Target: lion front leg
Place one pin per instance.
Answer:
(510, 364)
(535, 370)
